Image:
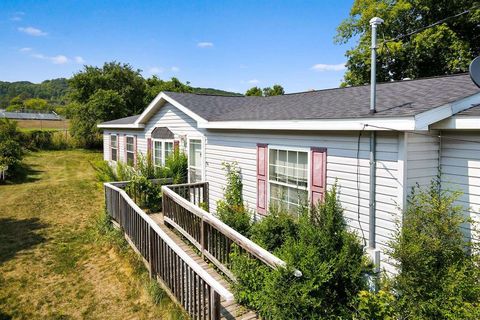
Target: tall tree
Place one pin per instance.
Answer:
(115, 76)
(276, 90)
(156, 85)
(255, 91)
(102, 105)
(443, 49)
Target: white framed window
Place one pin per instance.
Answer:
(113, 147)
(288, 175)
(195, 160)
(162, 149)
(130, 149)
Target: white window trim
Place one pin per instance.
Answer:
(162, 150)
(288, 148)
(203, 164)
(126, 149)
(117, 153)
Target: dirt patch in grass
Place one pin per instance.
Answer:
(54, 263)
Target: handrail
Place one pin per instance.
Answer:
(251, 247)
(221, 290)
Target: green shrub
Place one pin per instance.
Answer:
(438, 276)
(272, 231)
(250, 279)
(47, 140)
(38, 139)
(176, 167)
(145, 194)
(11, 150)
(231, 209)
(332, 262)
(375, 306)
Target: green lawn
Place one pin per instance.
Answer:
(54, 263)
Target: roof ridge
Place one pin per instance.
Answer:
(322, 90)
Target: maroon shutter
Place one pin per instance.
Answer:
(176, 145)
(262, 165)
(135, 149)
(149, 149)
(118, 147)
(318, 174)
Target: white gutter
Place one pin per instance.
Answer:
(121, 126)
(404, 123)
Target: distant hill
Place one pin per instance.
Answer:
(54, 91)
(215, 92)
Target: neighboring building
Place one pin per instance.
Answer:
(295, 146)
(30, 115)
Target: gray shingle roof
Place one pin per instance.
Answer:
(394, 99)
(126, 120)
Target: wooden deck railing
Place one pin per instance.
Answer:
(213, 238)
(190, 285)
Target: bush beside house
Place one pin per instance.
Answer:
(438, 269)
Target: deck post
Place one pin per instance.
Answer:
(203, 237)
(215, 312)
(206, 196)
(150, 250)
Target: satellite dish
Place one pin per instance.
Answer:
(474, 71)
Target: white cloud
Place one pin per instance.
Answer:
(155, 70)
(32, 31)
(205, 44)
(25, 49)
(254, 81)
(79, 60)
(175, 69)
(329, 67)
(60, 59)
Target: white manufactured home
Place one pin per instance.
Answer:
(293, 147)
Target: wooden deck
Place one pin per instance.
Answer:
(229, 310)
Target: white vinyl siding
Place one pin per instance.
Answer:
(460, 167)
(422, 158)
(182, 126)
(341, 166)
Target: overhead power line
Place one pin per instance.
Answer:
(432, 25)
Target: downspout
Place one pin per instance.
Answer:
(374, 253)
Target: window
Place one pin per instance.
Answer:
(195, 160)
(162, 149)
(113, 147)
(288, 178)
(130, 149)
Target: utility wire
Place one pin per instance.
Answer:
(432, 25)
(358, 185)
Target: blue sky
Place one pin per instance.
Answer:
(230, 45)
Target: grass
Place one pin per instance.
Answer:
(59, 258)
